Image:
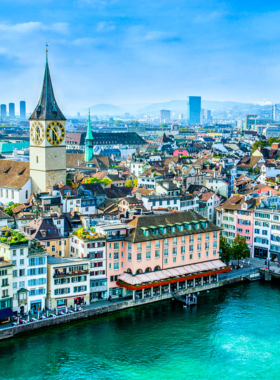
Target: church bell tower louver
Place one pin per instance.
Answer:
(47, 139)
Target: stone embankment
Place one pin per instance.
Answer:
(10, 332)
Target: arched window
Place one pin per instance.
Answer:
(148, 269)
(26, 194)
(139, 271)
(157, 267)
(129, 270)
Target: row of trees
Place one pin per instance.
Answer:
(239, 249)
(262, 144)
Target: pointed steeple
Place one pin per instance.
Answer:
(47, 108)
(89, 131)
(89, 141)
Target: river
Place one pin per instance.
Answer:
(232, 334)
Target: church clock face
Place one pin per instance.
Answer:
(55, 133)
(37, 133)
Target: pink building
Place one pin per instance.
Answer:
(160, 247)
(180, 152)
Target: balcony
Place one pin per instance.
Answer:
(70, 274)
(5, 296)
(5, 285)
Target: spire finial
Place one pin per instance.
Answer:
(47, 50)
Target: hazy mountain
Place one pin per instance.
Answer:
(177, 106)
(103, 109)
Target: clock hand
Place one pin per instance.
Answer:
(55, 132)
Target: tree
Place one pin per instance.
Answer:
(272, 140)
(128, 183)
(69, 182)
(226, 250)
(9, 210)
(258, 144)
(164, 126)
(118, 122)
(111, 120)
(240, 249)
(135, 183)
(107, 181)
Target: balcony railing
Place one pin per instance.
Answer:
(70, 274)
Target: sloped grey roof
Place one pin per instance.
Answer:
(47, 108)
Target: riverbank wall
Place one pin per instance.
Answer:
(10, 332)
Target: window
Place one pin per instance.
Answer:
(116, 255)
(183, 258)
(139, 256)
(110, 245)
(191, 248)
(207, 254)
(199, 237)
(21, 251)
(174, 241)
(215, 235)
(129, 246)
(129, 256)
(139, 246)
(191, 239)
(21, 272)
(116, 266)
(148, 255)
(240, 230)
(157, 254)
(214, 244)
(157, 243)
(166, 242)
(53, 248)
(199, 246)
(191, 257)
(116, 245)
(165, 252)
(21, 262)
(199, 255)
(174, 259)
(207, 236)
(165, 261)
(214, 253)
(148, 245)
(207, 245)
(264, 232)
(257, 231)
(174, 251)
(183, 250)
(14, 252)
(247, 231)
(21, 284)
(183, 240)
(14, 285)
(110, 265)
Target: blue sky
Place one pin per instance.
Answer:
(137, 51)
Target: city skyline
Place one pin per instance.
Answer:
(115, 52)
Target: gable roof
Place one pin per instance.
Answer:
(14, 174)
(77, 161)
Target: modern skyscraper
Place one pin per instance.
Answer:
(193, 109)
(22, 107)
(12, 109)
(165, 116)
(3, 110)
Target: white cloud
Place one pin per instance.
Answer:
(264, 102)
(84, 41)
(105, 26)
(31, 27)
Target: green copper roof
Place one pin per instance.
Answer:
(89, 131)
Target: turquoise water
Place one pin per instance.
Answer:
(232, 334)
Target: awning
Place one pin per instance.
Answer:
(6, 313)
(165, 274)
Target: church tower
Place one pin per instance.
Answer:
(89, 141)
(47, 139)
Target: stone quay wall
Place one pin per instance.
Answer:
(10, 332)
